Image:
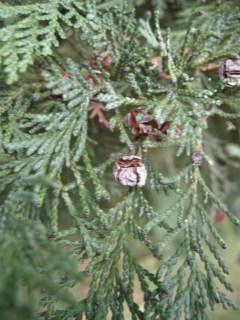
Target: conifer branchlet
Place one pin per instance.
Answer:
(81, 81)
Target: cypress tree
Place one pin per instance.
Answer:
(106, 105)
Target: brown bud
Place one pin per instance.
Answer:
(219, 216)
(197, 159)
(230, 71)
(105, 61)
(130, 171)
(144, 125)
(210, 68)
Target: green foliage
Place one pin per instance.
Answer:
(33, 30)
(64, 221)
(32, 269)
